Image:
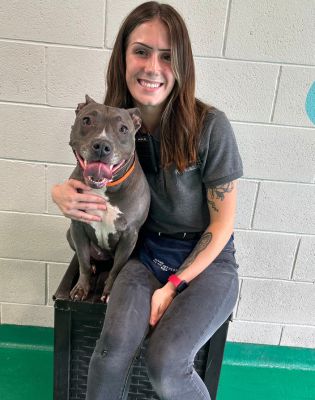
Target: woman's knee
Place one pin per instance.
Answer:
(172, 373)
(165, 365)
(116, 348)
(106, 352)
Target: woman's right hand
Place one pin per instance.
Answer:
(76, 205)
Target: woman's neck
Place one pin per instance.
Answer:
(151, 117)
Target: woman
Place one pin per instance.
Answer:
(182, 283)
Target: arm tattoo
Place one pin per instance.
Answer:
(218, 193)
(211, 204)
(200, 246)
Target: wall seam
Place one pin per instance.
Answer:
(46, 187)
(46, 73)
(296, 252)
(46, 283)
(278, 280)
(226, 27)
(281, 334)
(273, 105)
(280, 323)
(49, 44)
(239, 298)
(254, 207)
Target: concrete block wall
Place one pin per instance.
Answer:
(254, 60)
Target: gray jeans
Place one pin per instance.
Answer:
(188, 323)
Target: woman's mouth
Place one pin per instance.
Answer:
(149, 84)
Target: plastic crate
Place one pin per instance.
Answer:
(78, 326)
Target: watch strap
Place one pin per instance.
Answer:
(179, 284)
(175, 280)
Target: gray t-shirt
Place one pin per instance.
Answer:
(179, 200)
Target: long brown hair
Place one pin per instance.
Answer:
(183, 117)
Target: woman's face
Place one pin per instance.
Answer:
(149, 75)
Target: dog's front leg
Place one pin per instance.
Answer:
(82, 246)
(123, 251)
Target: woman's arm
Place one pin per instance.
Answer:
(75, 205)
(222, 205)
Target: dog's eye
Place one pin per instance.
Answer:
(86, 121)
(123, 129)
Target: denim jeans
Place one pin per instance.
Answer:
(191, 319)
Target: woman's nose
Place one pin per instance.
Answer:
(153, 63)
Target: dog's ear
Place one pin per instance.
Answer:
(88, 100)
(136, 117)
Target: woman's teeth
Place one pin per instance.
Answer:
(149, 85)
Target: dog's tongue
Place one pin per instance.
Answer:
(98, 171)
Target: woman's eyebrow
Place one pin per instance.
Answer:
(148, 47)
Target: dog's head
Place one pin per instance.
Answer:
(103, 140)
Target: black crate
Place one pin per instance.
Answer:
(78, 326)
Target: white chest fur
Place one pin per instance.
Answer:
(107, 225)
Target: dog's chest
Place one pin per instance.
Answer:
(107, 225)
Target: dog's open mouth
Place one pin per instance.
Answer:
(97, 174)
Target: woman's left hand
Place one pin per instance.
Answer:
(160, 301)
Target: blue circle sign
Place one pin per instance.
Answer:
(310, 103)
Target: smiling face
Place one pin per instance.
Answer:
(103, 140)
(149, 75)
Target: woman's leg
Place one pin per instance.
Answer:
(192, 318)
(126, 324)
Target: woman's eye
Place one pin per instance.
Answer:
(167, 57)
(123, 129)
(140, 52)
(86, 121)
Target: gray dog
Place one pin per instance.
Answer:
(103, 140)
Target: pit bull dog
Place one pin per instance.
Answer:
(103, 141)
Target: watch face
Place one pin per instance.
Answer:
(182, 286)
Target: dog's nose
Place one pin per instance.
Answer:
(102, 148)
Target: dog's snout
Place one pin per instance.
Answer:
(102, 148)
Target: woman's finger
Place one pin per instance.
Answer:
(88, 198)
(90, 206)
(154, 313)
(78, 184)
(82, 216)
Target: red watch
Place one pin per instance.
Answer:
(179, 284)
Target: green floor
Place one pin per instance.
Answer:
(256, 372)
(249, 372)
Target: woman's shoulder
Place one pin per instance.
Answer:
(214, 115)
(218, 151)
(216, 125)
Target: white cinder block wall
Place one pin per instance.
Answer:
(254, 59)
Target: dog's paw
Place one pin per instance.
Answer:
(81, 290)
(105, 297)
(105, 294)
